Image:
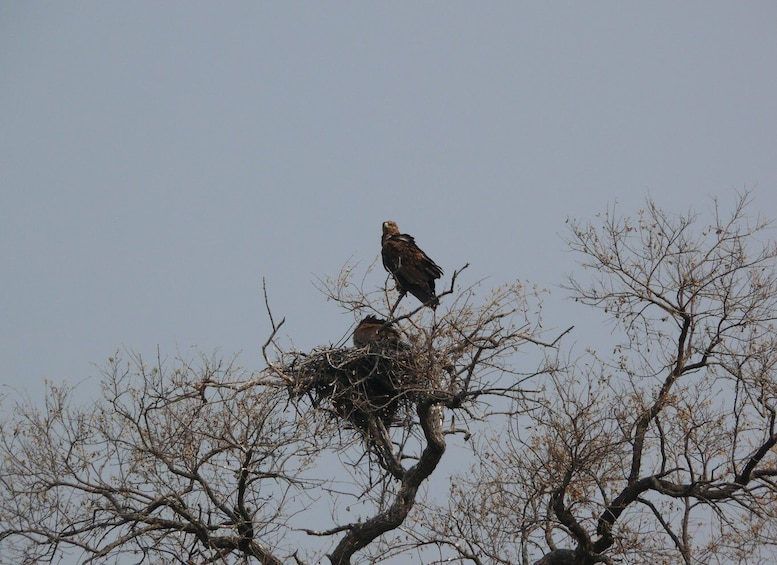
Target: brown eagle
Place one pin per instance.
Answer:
(372, 330)
(412, 269)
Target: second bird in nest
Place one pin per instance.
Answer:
(374, 330)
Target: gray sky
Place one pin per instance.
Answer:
(157, 162)
(158, 159)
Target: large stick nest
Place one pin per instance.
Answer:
(363, 386)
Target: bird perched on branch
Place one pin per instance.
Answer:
(374, 330)
(412, 269)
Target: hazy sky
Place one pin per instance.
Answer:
(158, 159)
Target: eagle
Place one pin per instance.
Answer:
(372, 330)
(412, 269)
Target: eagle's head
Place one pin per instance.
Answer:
(390, 228)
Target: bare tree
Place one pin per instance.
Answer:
(161, 469)
(662, 450)
(659, 449)
(395, 396)
(205, 462)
